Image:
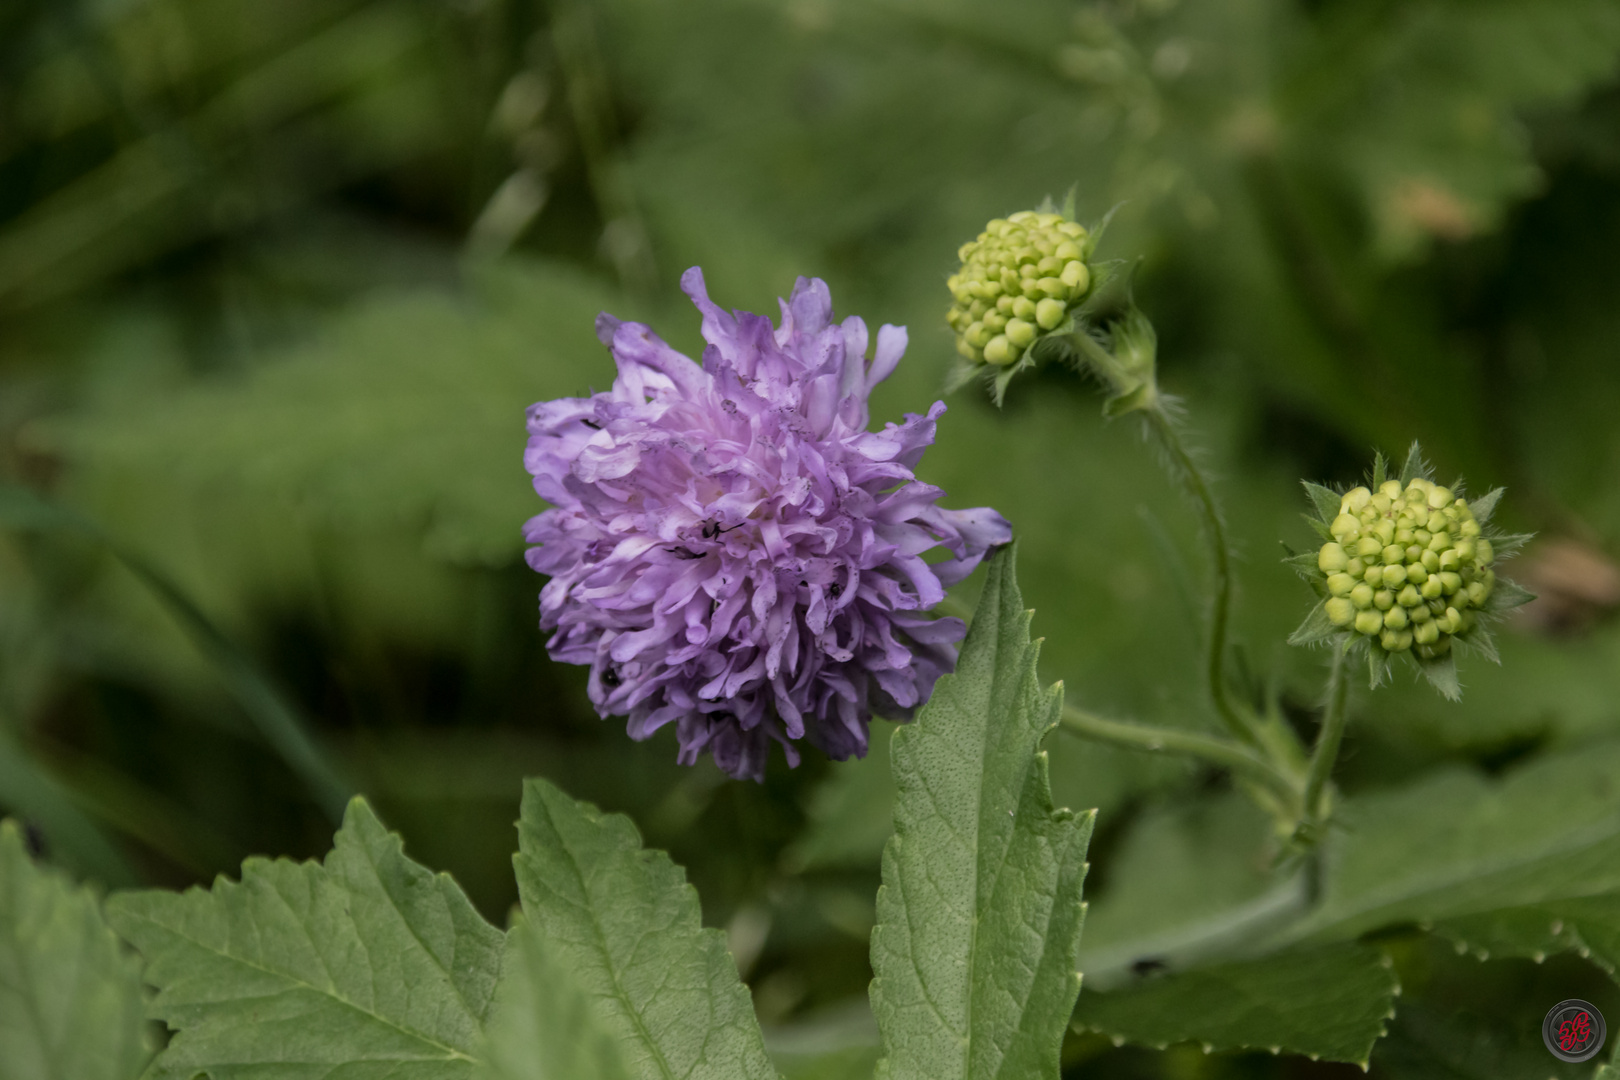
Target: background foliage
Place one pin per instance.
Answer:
(276, 282)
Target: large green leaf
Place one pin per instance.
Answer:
(979, 914)
(626, 923)
(1329, 1003)
(545, 1027)
(1456, 845)
(70, 996)
(367, 962)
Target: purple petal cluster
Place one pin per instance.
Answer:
(732, 551)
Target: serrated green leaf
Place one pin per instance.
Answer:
(1456, 844)
(1316, 628)
(1324, 499)
(367, 963)
(1320, 528)
(544, 1025)
(979, 914)
(70, 996)
(1587, 925)
(626, 923)
(1329, 1003)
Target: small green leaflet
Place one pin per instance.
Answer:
(624, 921)
(545, 1027)
(1329, 1003)
(367, 961)
(70, 996)
(979, 914)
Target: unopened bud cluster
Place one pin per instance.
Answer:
(1018, 280)
(1407, 567)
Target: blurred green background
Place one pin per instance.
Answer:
(278, 280)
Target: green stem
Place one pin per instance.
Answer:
(1197, 486)
(1327, 746)
(1187, 472)
(1213, 749)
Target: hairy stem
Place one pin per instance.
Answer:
(1327, 746)
(1213, 749)
(1187, 472)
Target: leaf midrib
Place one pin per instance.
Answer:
(450, 1052)
(619, 992)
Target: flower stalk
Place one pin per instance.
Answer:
(1214, 749)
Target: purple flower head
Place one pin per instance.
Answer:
(731, 550)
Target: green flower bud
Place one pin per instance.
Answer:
(1029, 267)
(1331, 559)
(1408, 566)
(998, 350)
(1049, 314)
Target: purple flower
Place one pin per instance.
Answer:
(730, 548)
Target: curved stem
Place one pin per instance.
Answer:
(1327, 745)
(1221, 609)
(1213, 749)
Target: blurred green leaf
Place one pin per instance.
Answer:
(851, 814)
(70, 996)
(623, 920)
(979, 914)
(276, 720)
(367, 962)
(1188, 883)
(545, 1026)
(1329, 1003)
(408, 415)
(28, 789)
